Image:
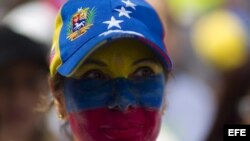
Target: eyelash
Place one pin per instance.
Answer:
(91, 72)
(135, 74)
(151, 72)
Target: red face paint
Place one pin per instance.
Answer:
(135, 124)
(115, 110)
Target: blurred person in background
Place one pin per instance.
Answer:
(35, 19)
(193, 93)
(23, 88)
(234, 105)
(190, 97)
(220, 39)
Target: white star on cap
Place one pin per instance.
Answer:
(129, 4)
(79, 9)
(113, 23)
(123, 12)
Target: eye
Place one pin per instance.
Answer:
(95, 74)
(143, 72)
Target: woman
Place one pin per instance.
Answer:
(109, 69)
(23, 82)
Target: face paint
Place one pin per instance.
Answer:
(122, 105)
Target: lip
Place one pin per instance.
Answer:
(121, 131)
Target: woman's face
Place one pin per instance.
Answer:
(117, 94)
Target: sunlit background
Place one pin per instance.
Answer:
(209, 43)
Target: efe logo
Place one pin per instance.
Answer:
(236, 132)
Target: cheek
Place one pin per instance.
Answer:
(91, 118)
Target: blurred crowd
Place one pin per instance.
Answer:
(208, 40)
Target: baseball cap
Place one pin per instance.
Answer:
(84, 25)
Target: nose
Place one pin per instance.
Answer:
(123, 96)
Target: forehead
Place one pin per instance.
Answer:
(120, 58)
(125, 48)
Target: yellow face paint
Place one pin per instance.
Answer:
(120, 59)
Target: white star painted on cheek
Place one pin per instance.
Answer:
(129, 4)
(113, 23)
(123, 12)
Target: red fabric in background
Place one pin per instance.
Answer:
(56, 3)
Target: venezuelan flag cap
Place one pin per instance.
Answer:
(84, 25)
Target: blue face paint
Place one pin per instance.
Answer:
(86, 94)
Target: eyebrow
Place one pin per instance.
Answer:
(143, 60)
(94, 62)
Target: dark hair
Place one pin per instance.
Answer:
(15, 48)
(236, 85)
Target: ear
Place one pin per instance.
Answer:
(59, 100)
(164, 105)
